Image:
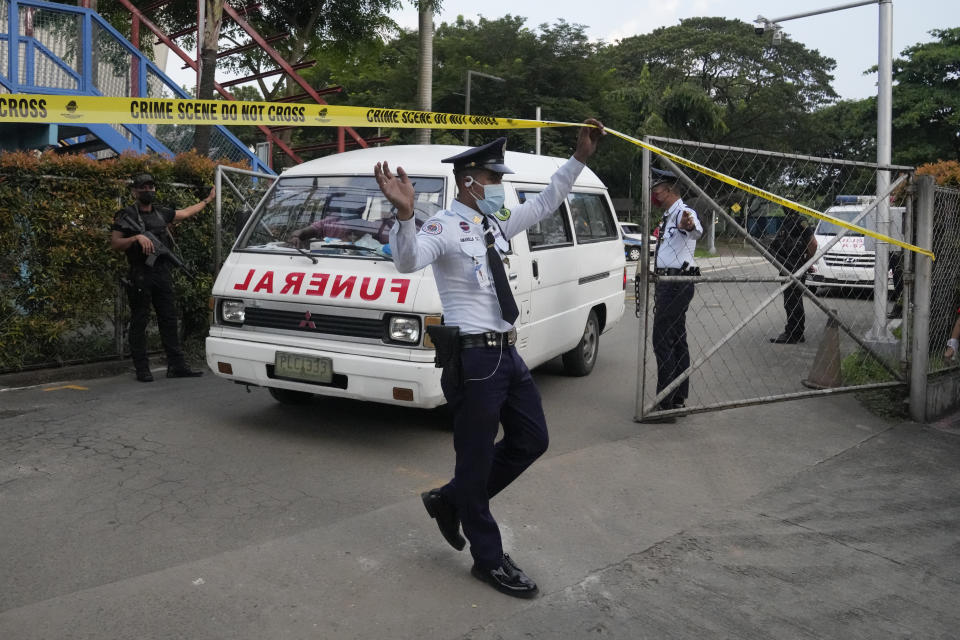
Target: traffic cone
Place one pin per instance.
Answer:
(825, 372)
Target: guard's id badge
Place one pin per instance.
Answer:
(481, 274)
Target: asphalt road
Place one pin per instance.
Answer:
(193, 509)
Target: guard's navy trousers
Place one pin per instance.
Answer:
(496, 388)
(670, 338)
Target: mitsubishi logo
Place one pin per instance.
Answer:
(307, 323)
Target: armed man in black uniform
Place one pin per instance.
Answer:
(140, 230)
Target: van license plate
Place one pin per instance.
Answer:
(300, 367)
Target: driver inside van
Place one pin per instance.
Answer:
(326, 227)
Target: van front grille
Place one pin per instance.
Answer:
(315, 323)
(860, 261)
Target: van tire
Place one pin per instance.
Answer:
(289, 396)
(579, 361)
(634, 254)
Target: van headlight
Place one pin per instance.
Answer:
(404, 329)
(232, 311)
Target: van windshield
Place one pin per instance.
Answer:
(825, 228)
(336, 215)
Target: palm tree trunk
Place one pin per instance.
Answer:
(213, 17)
(425, 82)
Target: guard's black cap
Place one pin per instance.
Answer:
(488, 156)
(662, 177)
(142, 179)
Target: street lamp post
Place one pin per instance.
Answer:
(879, 332)
(470, 74)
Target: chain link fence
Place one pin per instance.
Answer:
(945, 284)
(845, 342)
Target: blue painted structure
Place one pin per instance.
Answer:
(62, 49)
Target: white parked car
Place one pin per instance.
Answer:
(850, 262)
(635, 231)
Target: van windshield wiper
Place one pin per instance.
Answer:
(353, 246)
(276, 239)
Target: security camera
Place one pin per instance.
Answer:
(759, 29)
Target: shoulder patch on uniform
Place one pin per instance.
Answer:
(503, 215)
(433, 228)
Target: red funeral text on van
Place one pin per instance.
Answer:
(324, 285)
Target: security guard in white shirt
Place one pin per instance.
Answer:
(492, 385)
(679, 231)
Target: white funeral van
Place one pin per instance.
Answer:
(337, 319)
(850, 262)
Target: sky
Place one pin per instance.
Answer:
(849, 36)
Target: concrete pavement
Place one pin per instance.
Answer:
(807, 519)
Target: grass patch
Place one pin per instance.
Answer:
(862, 368)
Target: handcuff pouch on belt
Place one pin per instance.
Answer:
(446, 342)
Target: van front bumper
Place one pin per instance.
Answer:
(359, 377)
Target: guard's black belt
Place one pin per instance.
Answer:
(672, 271)
(488, 339)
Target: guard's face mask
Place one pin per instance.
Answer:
(493, 196)
(492, 201)
(656, 198)
(146, 197)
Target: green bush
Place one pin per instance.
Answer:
(58, 276)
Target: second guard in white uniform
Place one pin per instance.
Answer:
(679, 231)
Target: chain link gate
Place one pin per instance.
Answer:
(737, 305)
(248, 189)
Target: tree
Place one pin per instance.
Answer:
(926, 100)
(426, 9)
(713, 79)
(209, 47)
(312, 30)
(846, 130)
(926, 110)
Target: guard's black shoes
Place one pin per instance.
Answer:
(183, 372)
(508, 578)
(785, 339)
(144, 375)
(446, 516)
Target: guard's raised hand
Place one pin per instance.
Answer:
(588, 139)
(396, 188)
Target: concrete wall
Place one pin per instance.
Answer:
(943, 394)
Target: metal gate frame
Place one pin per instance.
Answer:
(644, 278)
(221, 175)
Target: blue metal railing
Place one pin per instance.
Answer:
(62, 49)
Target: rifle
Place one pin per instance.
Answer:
(160, 250)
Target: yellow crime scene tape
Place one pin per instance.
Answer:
(112, 110)
(109, 110)
(783, 202)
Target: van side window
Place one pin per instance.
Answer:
(592, 218)
(552, 231)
